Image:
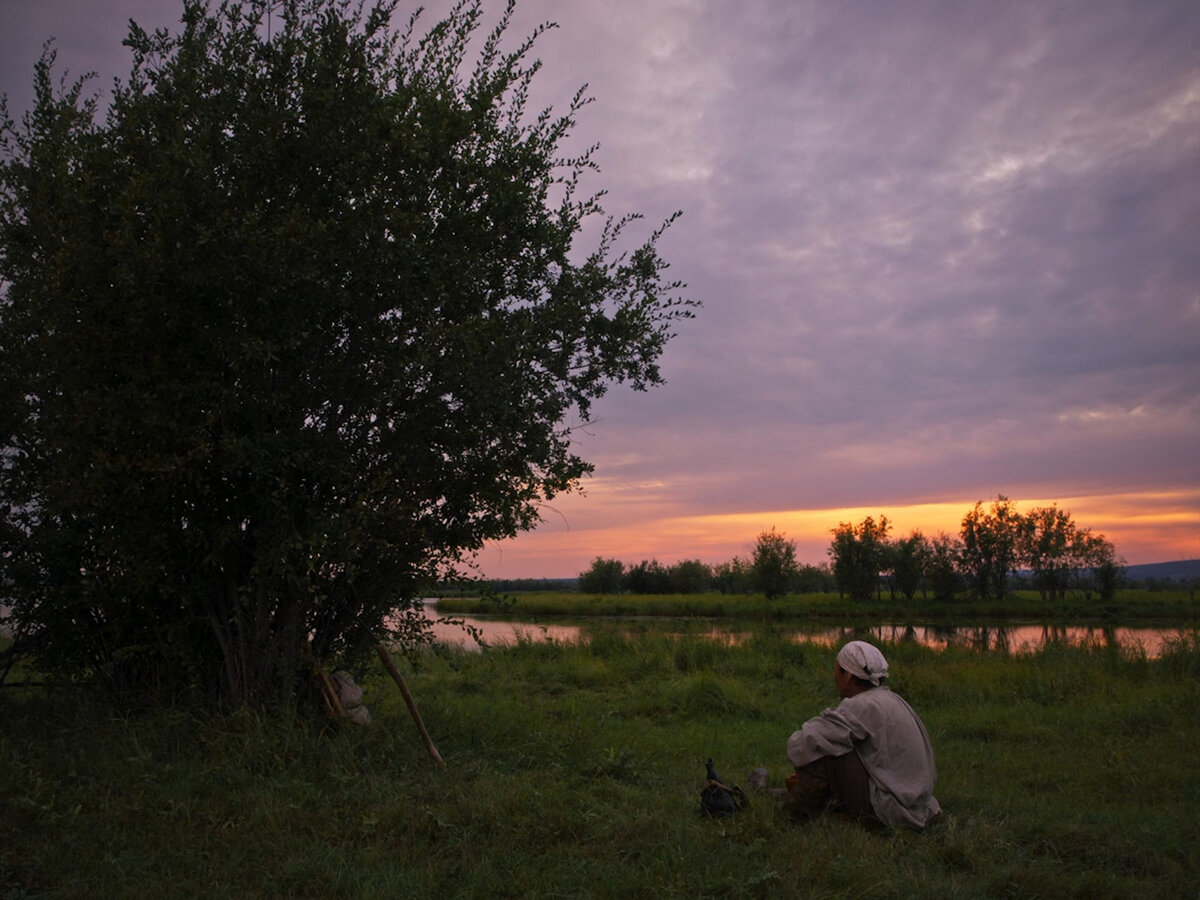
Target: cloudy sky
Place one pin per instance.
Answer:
(946, 250)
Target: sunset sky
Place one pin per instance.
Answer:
(946, 250)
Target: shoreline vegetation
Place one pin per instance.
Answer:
(574, 769)
(1128, 606)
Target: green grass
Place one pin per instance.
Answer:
(574, 771)
(1127, 607)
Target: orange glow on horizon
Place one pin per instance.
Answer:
(1144, 528)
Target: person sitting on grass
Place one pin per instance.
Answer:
(869, 756)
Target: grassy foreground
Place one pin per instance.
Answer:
(573, 771)
(1127, 606)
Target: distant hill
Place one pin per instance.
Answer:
(1182, 570)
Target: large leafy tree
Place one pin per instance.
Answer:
(908, 559)
(773, 567)
(942, 566)
(295, 325)
(1046, 537)
(1061, 555)
(991, 545)
(859, 554)
(605, 576)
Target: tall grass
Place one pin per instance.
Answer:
(574, 770)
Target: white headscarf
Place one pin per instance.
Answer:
(863, 660)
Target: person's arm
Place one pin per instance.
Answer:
(832, 733)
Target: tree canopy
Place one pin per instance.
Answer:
(995, 543)
(293, 326)
(773, 566)
(859, 553)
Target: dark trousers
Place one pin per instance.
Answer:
(838, 783)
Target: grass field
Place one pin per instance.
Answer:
(574, 770)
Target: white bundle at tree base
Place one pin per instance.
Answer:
(350, 695)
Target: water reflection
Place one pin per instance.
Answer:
(499, 631)
(999, 638)
(1028, 638)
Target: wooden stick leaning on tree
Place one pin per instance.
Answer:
(390, 664)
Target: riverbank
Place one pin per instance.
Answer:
(574, 770)
(1168, 607)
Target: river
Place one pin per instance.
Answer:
(1013, 638)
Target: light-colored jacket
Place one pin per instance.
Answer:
(890, 739)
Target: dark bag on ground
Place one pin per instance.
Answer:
(718, 799)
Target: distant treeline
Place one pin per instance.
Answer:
(610, 576)
(999, 549)
(812, 579)
(738, 576)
